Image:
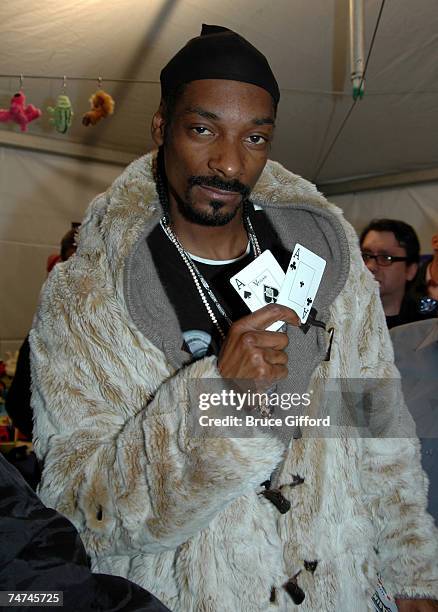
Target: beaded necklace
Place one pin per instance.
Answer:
(198, 279)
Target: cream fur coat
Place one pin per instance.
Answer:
(181, 516)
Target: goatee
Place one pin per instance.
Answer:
(216, 217)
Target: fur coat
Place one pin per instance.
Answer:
(182, 516)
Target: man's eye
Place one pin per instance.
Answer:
(257, 139)
(201, 130)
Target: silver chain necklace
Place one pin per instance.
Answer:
(199, 281)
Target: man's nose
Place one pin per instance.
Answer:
(227, 159)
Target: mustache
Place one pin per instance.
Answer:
(218, 183)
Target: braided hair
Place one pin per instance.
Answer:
(161, 183)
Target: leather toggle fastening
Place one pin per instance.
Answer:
(297, 433)
(273, 595)
(295, 592)
(313, 321)
(331, 333)
(310, 566)
(296, 480)
(275, 497)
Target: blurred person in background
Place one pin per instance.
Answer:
(391, 252)
(423, 290)
(416, 357)
(19, 394)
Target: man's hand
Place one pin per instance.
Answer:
(250, 352)
(417, 605)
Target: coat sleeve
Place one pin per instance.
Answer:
(111, 427)
(393, 480)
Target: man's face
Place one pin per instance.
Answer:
(215, 147)
(392, 279)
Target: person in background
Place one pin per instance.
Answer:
(423, 290)
(391, 252)
(18, 399)
(416, 357)
(68, 248)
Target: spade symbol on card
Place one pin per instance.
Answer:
(247, 294)
(270, 294)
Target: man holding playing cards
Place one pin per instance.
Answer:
(180, 270)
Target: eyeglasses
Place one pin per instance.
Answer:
(427, 304)
(382, 260)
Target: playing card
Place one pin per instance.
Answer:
(302, 280)
(259, 283)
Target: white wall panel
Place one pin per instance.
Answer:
(40, 195)
(414, 204)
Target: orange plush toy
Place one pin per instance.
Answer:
(102, 105)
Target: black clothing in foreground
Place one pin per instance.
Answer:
(418, 289)
(40, 550)
(19, 394)
(410, 307)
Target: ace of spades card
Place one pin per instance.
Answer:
(259, 283)
(302, 280)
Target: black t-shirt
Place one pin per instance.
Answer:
(409, 312)
(200, 336)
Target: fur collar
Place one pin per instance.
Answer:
(132, 200)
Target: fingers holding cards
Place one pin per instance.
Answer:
(263, 318)
(251, 352)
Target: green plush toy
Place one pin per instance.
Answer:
(62, 114)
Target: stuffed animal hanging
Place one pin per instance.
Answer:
(61, 114)
(102, 105)
(19, 112)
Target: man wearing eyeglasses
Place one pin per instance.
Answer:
(391, 251)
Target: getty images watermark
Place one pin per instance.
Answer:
(263, 405)
(364, 408)
(231, 410)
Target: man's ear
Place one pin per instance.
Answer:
(411, 271)
(435, 242)
(157, 126)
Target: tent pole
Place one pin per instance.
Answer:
(357, 55)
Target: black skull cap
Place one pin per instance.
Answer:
(218, 53)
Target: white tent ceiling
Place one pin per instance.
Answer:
(393, 129)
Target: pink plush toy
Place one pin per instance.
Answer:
(19, 112)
